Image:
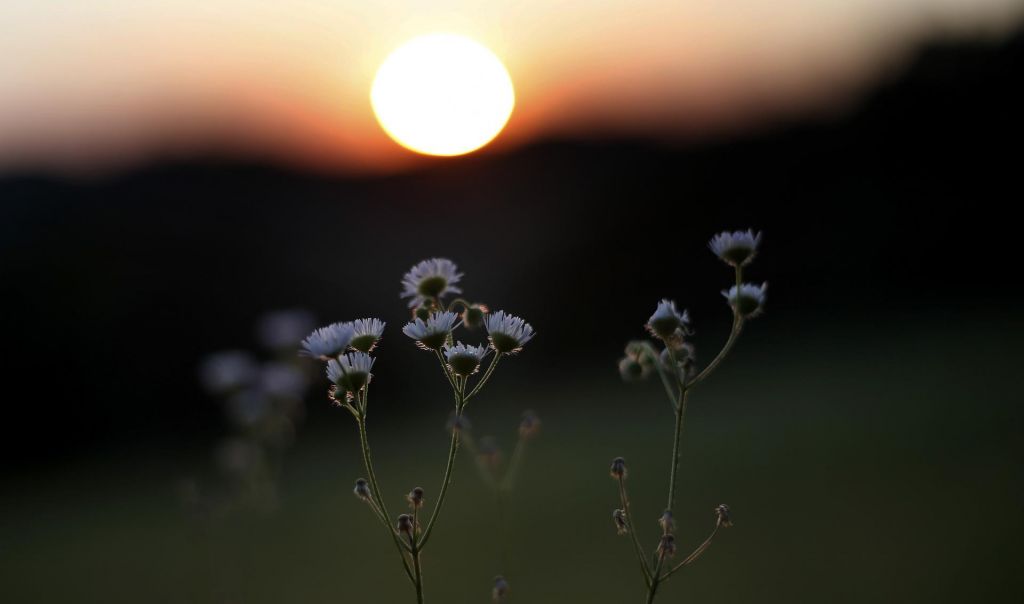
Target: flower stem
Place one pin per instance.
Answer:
(737, 326)
(453, 449)
(631, 527)
(696, 553)
(486, 376)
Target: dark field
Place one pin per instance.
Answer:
(864, 462)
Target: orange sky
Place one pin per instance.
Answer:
(101, 84)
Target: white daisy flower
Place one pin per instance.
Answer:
(508, 333)
(350, 372)
(464, 360)
(328, 342)
(366, 334)
(736, 248)
(666, 320)
(430, 279)
(431, 334)
(748, 300)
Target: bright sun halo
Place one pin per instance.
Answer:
(442, 94)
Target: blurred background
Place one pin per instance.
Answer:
(171, 172)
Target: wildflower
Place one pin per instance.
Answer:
(473, 315)
(433, 333)
(737, 248)
(501, 589)
(619, 518)
(366, 333)
(667, 522)
(405, 524)
(415, 498)
(667, 546)
(430, 280)
(508, 333)
(529, 425)
(748, 300)
(351, 372)
(284, 329)
(226, 371)
(666, 320)
(464, 360)
(619, 468)
(362, 490)
(328, 342)
(722, 513)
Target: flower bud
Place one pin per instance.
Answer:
(618, 470)
(667, 546)
(631, 369)
(362, 490)
(722, 513)
(667, 522)
(619, 518)
(473, 315)
(748, 300)
(423, 311)
(415, 498)
(405, 524)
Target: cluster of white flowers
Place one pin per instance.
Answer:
(345, 347)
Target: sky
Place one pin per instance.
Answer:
(99, 85)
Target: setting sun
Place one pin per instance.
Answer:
(442, 94)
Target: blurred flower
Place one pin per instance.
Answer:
(458, 422)
(282, 380)
(430, 279)
(226, 371)
(415, 498)
(529, 425)
(631, 369)
(350, 372)
(328, 342)
(366, 334)
(284, 329)
(508, 333)
(247, 407)
(748, 300)
(666, 320)
(464, 360)
(501, 589)
(736, 248)
(489, 454)
(431, 334)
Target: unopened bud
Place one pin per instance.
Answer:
(667, 546)
(529, 425)
(667, 522)
(722, 512)
(501, 589)
(619, 468)
(473, 316)
(405, 524)
(423, 311)
(415, 498)
(619, 517)
(362, 490)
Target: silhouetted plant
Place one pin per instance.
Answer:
(676, 365)
(345, 348)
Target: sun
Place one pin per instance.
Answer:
(442, 94)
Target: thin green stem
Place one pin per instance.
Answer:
(631, 528)
(415, 553)
(447, 373)
(486, 376)
(680, 415)
(453, 449)
(664, 377)
(696, 553)
(375, 487)
(737, 327)
(656, 580)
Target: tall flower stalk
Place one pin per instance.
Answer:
(345, 348)
(673, 358)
